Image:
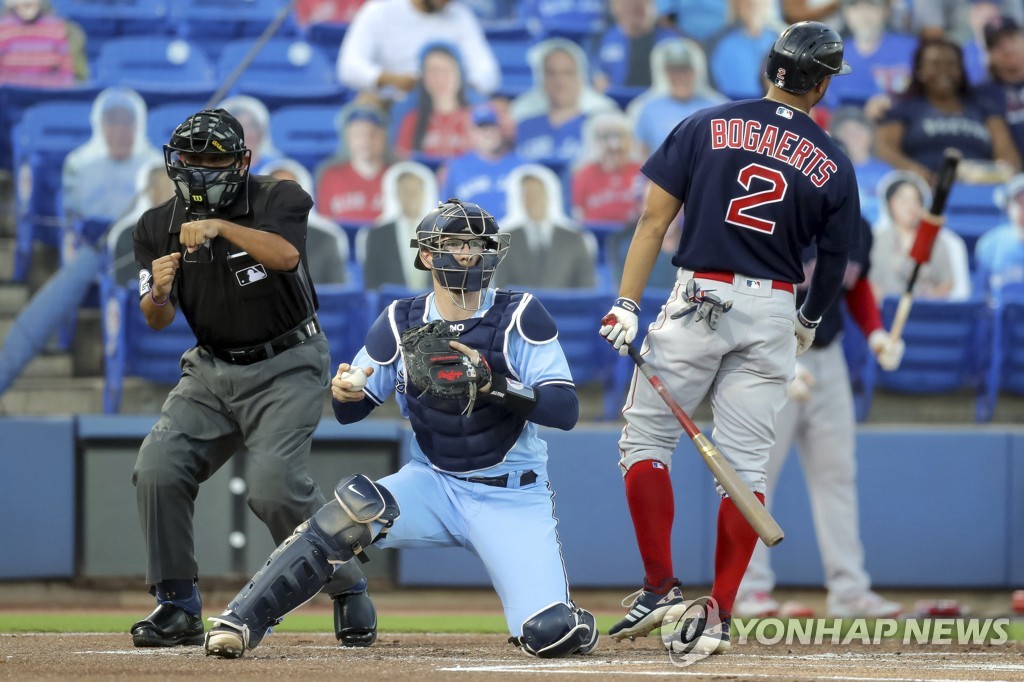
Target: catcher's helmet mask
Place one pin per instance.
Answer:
(207, 191)
(805, 54)
(455, 218)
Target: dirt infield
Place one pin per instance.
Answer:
(469, 658)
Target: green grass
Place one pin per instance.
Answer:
(18, 622)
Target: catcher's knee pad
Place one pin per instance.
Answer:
(558, 630)
(345, 524)
(300, 567)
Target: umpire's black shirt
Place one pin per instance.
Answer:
(234, 301)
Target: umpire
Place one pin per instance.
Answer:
(229, 252)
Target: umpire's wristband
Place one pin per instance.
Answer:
(518, 398)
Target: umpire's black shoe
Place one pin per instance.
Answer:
(355, 619)
(168, 625)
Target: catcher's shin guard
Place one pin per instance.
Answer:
(302, 564)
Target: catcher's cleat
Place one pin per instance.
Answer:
(229, 638)
(355, 618)
(647, 610)
(168, 625)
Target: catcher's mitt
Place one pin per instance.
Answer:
(437, 369)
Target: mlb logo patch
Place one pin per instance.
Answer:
(784, 112)
(250, 275)
(753, 284)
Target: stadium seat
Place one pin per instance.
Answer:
(949, 347)
(132, 348)
(40, 141)
(1006, 372)
(213, 23)
(345, 314)
(162, 120)
(510, 53)
(283, 72)
(305, 133)
(576, 313)
(155, 63)
(327, 39)
(971, 211)
(102, 20)
(860, 364)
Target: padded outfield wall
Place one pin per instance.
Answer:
(939, 507)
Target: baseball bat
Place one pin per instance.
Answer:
(262, 40)
(927, 231)
(753, 511)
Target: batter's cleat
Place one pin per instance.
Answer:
(591, 643)
(168, 625)
(867, 605)
(355, 618)
(755, 605)
(646, 612)
(718, 639)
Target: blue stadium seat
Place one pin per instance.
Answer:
(510, 53)
(948, 348)
(155, 63)
(576, 313)
(345, 314)
(213, 23)
(40, 141)
(1006, 372)
(102, 20)
(283, 72)
(305, 133)
(162, 120)
(327, 39)
(972, 211)
(132, 348)
(861, 365)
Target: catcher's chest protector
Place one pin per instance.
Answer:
(451, 441)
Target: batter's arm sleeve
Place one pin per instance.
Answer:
(863, 306)
(826, 280)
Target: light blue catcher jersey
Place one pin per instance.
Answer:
(532, 362)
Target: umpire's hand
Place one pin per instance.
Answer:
(164, 269)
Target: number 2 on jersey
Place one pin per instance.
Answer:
(736, 214)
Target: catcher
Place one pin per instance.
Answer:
(475, 370)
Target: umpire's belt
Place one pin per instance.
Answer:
(526, 478)
(265, 351)
(722, 276)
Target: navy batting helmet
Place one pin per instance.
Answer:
(468, 223)
(804, 55)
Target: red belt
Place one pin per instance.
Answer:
(721, 276)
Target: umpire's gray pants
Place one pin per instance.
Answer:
(271, 407)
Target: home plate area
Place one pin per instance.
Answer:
(408, 657)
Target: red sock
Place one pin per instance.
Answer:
(735, 544)
(649, 494)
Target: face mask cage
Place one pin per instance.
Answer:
(206, 191)
(459, 279)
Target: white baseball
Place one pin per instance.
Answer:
(355, 377)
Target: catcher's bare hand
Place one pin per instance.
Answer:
(347, 384)
(164, 269)
(475, 358)
(195, 233)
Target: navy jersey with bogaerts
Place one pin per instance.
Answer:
(759, 181)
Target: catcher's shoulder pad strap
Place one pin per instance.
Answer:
(382, 339)
(534, 322)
